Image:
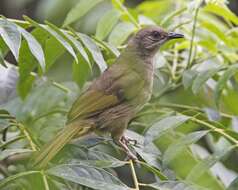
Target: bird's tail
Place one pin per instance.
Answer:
(49, 150)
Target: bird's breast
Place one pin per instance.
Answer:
(144, 93)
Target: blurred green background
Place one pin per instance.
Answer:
(191, 150)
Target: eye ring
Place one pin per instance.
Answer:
(156, 34)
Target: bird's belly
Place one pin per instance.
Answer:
(117, 115)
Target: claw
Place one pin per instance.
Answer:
(123, 143)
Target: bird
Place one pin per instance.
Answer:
(115, 97)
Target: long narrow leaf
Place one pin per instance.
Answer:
(201, 78)
(222, 82)
(106, 23)
(162, 126)
(3, 182)
(120, 33)
(94, 50)
(88, 176)
(34, 47)
(11, 36)
(80, 10)
(54, 32)
(176, 148)
(205, 164)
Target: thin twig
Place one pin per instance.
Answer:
(28, 136)
(218, 130)
(44, 177)
(192, 39)
(175, 63)
(192, 108)
(134, 175)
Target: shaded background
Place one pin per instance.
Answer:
(56, 10)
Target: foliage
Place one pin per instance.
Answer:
(187, 134)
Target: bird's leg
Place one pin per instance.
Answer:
(120, 142)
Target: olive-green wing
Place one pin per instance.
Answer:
(90, 103)
(115, 85)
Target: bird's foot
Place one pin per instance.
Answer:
(124, 145)
(128, 141)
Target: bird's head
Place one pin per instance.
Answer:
(149, 39)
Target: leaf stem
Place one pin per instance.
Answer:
(61, 87)
(124, 10)
(193, 35)
(143, 184)
(192, 108)
(218, 130)
(175, 63)
(27, 135)
(44, 177)
(134, 175)
(11, 141)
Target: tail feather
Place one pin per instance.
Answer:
(62, 138)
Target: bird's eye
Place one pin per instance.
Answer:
(156, 34)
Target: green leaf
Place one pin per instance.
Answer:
(8, 152)
(182, 143)
(10, 141)
(4, 114)
(168, 18)
(25, 85)
(154, 171)
(201, 78)
(222, 82)
(183, 163)
(94, 50)
(203, 166)
(56, 34)
(224, 12)
(161, 127)
(98, 159)
(78, 46)
(175, 185)
(11, 178)
(145, 21)
(82, 8)
(215, 30)
(81, 71)
(109, 47)
(11, 36)
(53, 50)
(120, 33)
(27, 63)
(2, 61)
(150, 154)
(88, 176)
(233, 185)
(117, 3)
(34, 47)
(188, 77)
(208, 45)
(106, 23)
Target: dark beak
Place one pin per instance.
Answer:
(173, 35)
